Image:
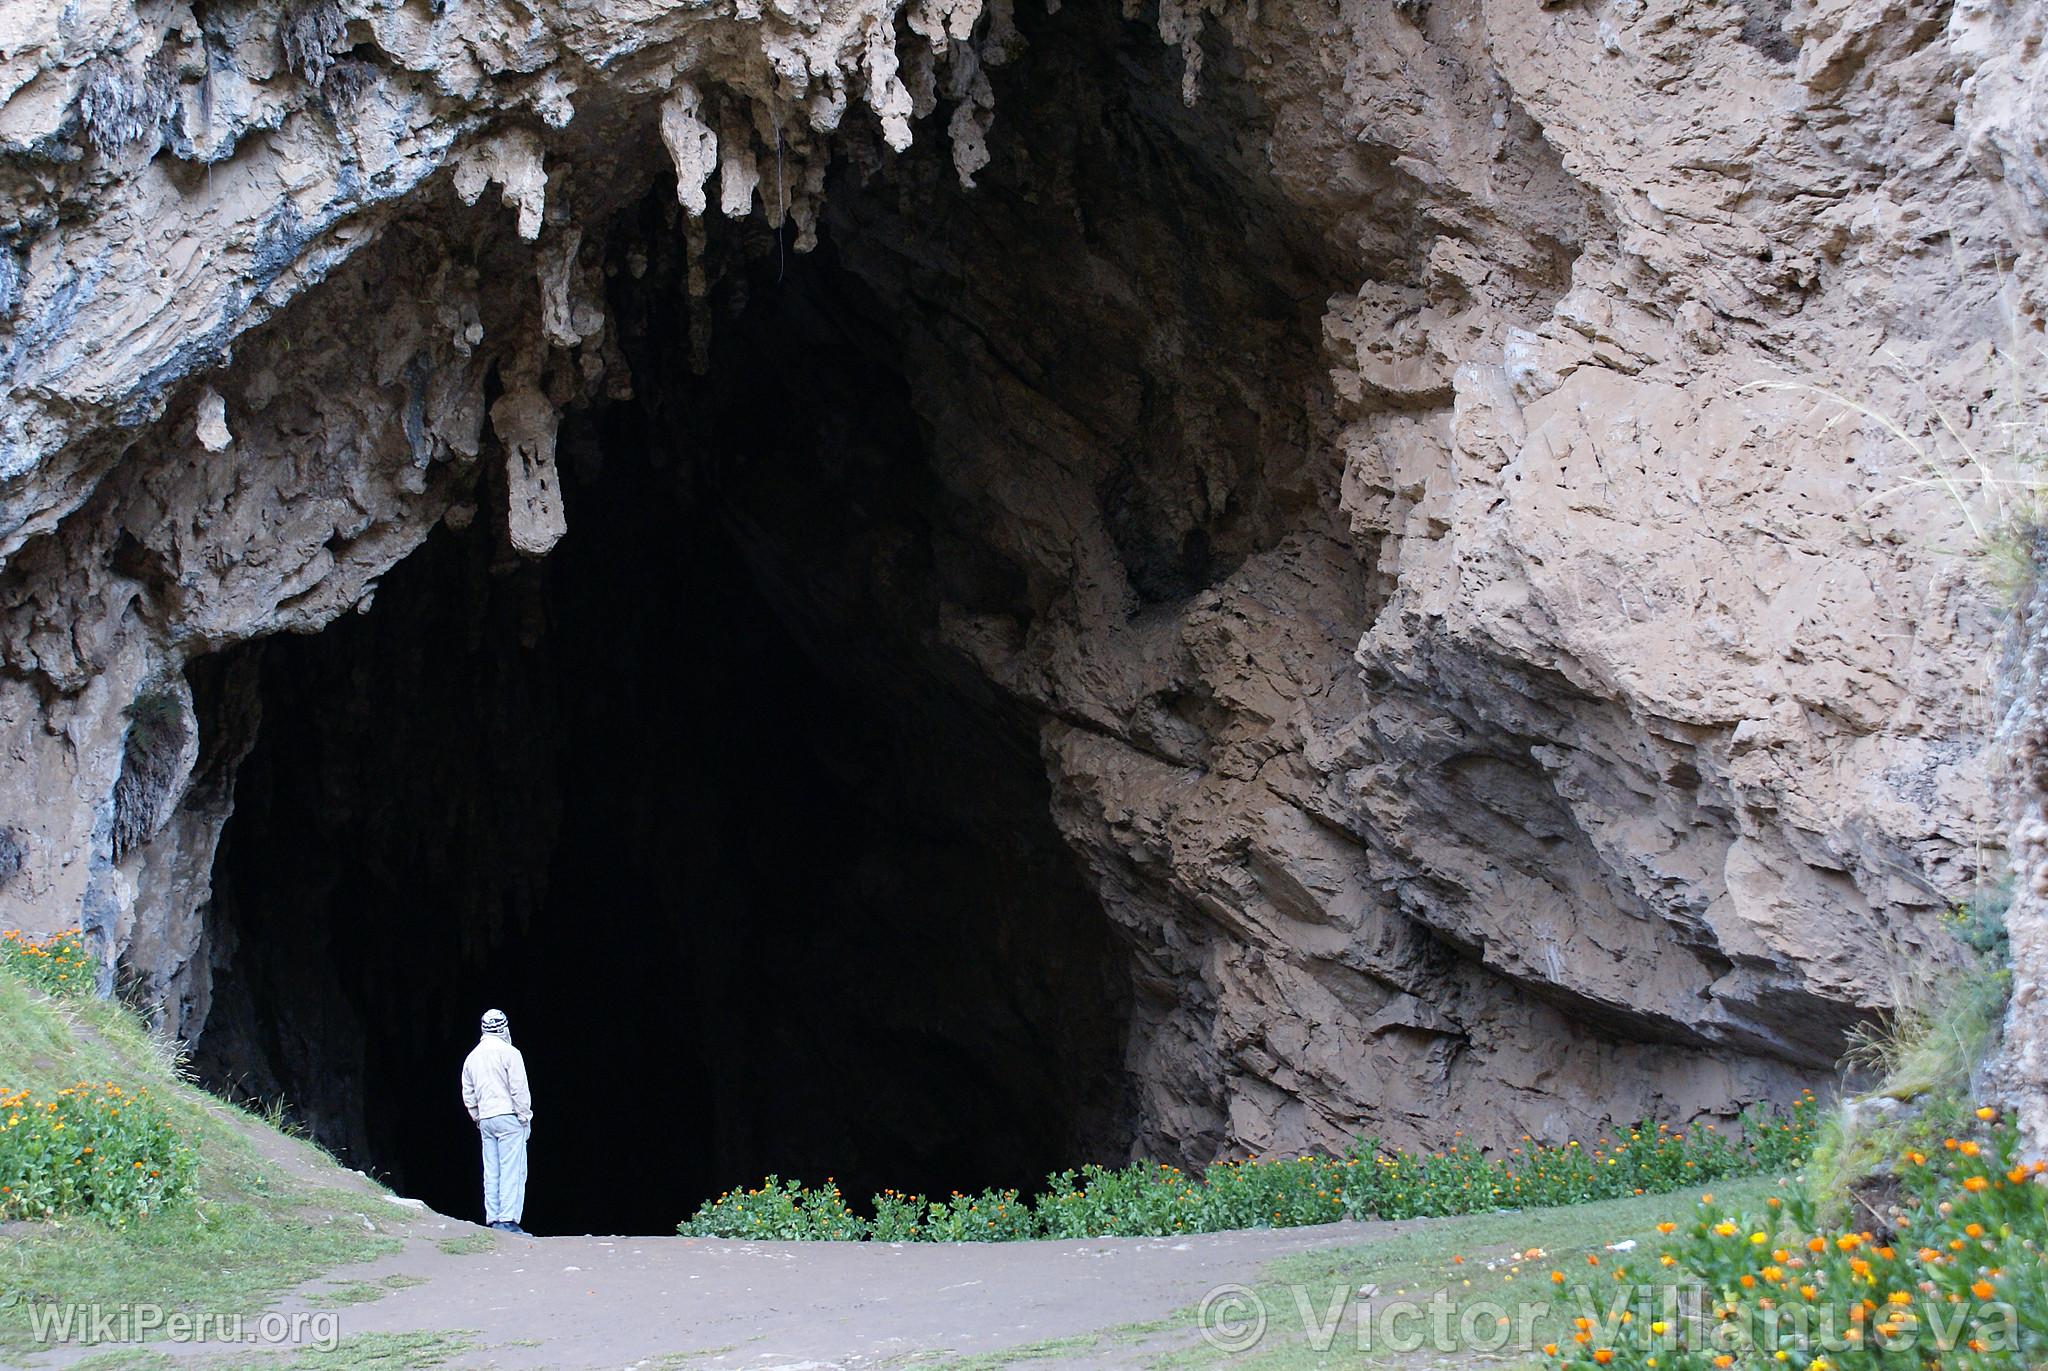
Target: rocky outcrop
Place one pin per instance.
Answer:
(2019, 1065)
(1440, 479)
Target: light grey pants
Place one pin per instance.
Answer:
(504, 1166)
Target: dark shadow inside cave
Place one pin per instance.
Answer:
(763, 884)
(764, 874)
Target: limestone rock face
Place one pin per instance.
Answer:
(1445, 481)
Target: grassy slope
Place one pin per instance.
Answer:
(1410, 1266)
(264, 1220)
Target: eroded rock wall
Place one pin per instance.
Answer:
(1489, 680)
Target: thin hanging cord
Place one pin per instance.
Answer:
(781, 203)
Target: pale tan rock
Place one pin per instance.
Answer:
(1581, 711)
(525, 424)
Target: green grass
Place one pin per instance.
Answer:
(252, 1232)
(1923, 1059)
(1448, 1255)
(1079, 1346)
(380, 1352)
(1416, 1265)
(127, 1359)
(468, 1245)
(362, 1292)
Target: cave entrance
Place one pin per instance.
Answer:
(764, 883)
(721, 801)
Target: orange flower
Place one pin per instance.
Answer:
(1983, 1290)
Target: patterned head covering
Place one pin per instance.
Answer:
(495, 1024)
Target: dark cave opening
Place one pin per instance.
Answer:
(763, 884)
(759, 860)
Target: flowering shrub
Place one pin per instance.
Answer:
(89, 1149)
(58, 963)
(898, 1217)
(991, 1216)
(1644, 1161)
(1146, 1200)
(1959, 1283)
(1149, 1199)
(788, 1210)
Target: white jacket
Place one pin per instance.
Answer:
(494, 1081)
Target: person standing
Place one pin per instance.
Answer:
(494, 1092)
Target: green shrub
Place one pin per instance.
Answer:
(1956, 1277)
(57, 964)
(1979, 922)
(991, 1216)
(785, 1210)
(89, 1149)
(1646, 1160)
(1152, 1199)
(1923, 1058)
(898, 1217)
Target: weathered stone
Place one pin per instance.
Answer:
(1485, 682)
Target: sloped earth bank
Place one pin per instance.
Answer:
(1288, 607)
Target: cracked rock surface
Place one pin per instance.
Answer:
(1393, 458)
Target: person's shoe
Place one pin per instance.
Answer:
(515, 1228)
(498, 1224)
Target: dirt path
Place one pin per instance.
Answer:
(616, 1302)
(570, 1303)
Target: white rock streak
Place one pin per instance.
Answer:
(691, 144)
